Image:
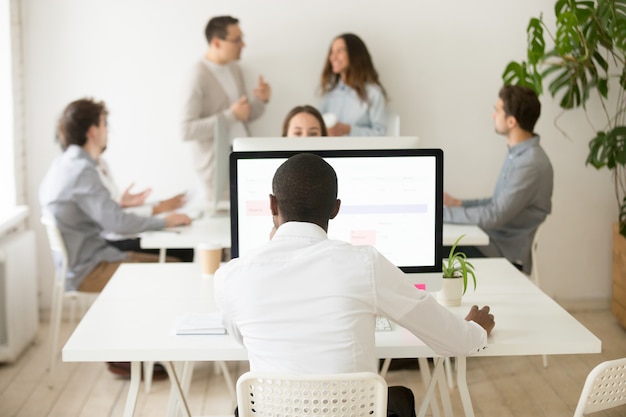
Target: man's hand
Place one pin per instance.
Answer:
(449, 201)
(339, 129)
(481, 317)
(170, 204)
(129, 199)
(177, 219)
(241, 109)
(262, 90)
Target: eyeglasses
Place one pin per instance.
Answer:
(236, 41)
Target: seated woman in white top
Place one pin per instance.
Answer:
(351, 90)
(303, 121)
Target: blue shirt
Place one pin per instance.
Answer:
(365, 119)
(521, 201)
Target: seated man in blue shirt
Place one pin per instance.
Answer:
(521, 200)
(73, 195)
(305, 304)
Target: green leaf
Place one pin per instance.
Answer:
(536, 43)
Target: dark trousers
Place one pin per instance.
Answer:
(400, 402)
(132, 245)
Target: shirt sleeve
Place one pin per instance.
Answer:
(522, 184)
(419, 312)
(376, 113)
(94, 199)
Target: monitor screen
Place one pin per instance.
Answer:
(390, 199)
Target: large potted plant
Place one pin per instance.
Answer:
(586, 59)
(457, 271)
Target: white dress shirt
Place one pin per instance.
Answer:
(303, 303)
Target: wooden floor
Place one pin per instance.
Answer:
(500, 387)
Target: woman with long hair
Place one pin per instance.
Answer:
(351, 90)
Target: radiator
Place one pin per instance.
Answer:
(18, 294)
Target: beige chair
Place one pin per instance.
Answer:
(59, 294)
(605, 388)
(362, 394)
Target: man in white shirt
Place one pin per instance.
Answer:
(305, 304)
(216, 89)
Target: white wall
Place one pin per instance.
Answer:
(441, 63)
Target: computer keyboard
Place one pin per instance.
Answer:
(382, 324)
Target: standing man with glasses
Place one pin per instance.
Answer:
(216, 89)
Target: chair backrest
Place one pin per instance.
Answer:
(604, 388)
(361, 394)
(534, 273)
(57, 246)
(393, 123)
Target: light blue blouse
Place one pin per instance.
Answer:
(365, 119)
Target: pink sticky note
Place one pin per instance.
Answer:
(420, 286)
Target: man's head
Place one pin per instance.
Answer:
(83, 122)
(305, 190)
(225, 39)
(516, 106)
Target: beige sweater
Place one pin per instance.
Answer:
(204, 100)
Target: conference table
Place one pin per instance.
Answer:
(216, 230)
(133, 320)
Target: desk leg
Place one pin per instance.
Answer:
(176, 389)
(430, 382)
(162, 253)
(461, 380)
(133, 389)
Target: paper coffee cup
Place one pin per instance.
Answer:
(209, 256)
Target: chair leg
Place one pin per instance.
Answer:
(545, 361)
(55, 325)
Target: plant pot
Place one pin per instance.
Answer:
(451, 292)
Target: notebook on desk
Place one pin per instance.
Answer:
(391, 199)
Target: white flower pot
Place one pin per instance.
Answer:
(451, 292)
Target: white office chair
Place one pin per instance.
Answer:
(84, 299)
(59, 255)
(605, 388)
(362, 394)
(393, 123)
(534, 273)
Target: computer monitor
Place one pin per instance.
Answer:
(391, 199)
(324, 142)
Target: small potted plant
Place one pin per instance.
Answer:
(456, 272)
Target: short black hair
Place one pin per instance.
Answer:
(305, 187)
(77, 118)
(218, 27)
(521, 103)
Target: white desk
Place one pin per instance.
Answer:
(217, 230)
(132, 320)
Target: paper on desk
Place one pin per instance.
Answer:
(199, 323)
